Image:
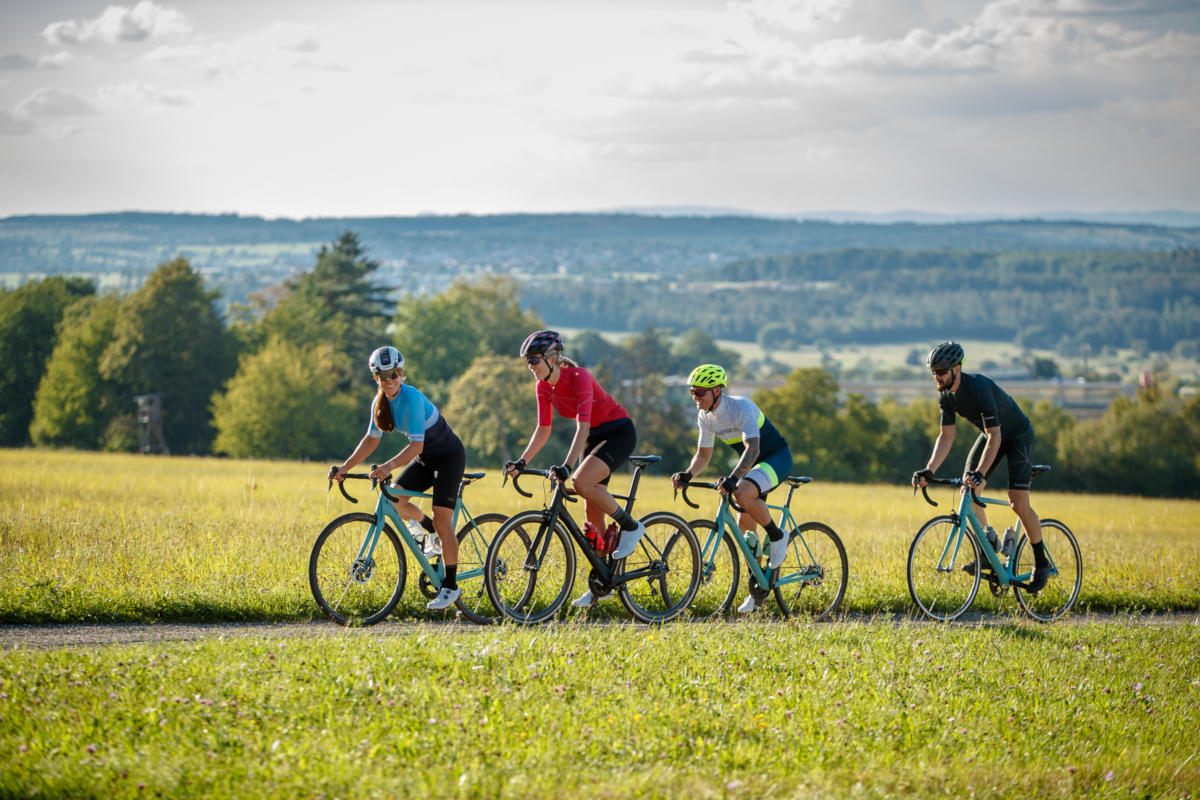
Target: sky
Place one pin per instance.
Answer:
(373, 108)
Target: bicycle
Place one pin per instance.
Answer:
(356, 582)
(943, 591)
(529, 577)
(811, 580)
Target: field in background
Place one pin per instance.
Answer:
(702, 711)
(91, 537)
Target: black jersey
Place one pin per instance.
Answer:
(983, 404)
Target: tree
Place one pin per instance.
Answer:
(29, 319)
(492, 408)
(804, 410)
(169, 339)
(284, 403)
(75, 405)
(695, 347)
(590, 349)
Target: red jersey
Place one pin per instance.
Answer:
(577, 396)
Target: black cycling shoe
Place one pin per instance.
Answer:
(1040, 577)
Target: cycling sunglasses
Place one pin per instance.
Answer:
(699, 391)
(388, 376)
(533, 361)
(940, 371)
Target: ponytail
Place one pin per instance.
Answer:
(383, 413)
(564, 361)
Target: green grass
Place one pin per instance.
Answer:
(104, 537)
(706, 711)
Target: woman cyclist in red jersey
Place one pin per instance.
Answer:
(604, 436)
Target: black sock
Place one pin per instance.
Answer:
(427, 524)
(773, 531)
(622, 518)
(1039, 555)
(451, 581)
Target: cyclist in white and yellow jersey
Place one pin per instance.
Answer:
(765, 457)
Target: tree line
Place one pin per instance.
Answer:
(285, 377)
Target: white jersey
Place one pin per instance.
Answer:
(735, 420)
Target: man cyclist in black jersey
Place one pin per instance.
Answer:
(1006, 433)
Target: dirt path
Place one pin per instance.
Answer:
(50, 636)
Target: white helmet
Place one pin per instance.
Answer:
(386, 358)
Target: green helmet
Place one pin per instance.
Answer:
(706, 376)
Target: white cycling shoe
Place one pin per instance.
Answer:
(747, 606)
(629, 542)
(778, 553)
(445, 598)
(588, 600)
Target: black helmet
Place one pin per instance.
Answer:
(541, 342)
(945, 356)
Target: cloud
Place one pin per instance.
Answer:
(309, 45)
(136, 91)
(11, 125)
(53, 102)
(16, 61)
(119, 24)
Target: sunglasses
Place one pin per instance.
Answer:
(940, 371)
(388, 376)
(533, 361)
(698, 391)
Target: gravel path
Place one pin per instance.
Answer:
(50, 636)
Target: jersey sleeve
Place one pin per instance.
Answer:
(372, 429)
(749, 421)
(947, 411)
(986, 403)
(415, 411)
(707, 438)
(543, 404)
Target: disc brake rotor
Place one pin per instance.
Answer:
(362, 570)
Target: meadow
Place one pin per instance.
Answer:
(778, 709)
(109, 537)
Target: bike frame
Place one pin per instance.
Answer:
(555, 512)
(384, 509)
(963, 520)
(725, 519)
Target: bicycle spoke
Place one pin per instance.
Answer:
(936, 580)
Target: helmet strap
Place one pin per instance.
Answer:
(546, 361)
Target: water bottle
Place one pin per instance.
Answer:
(1010, 536)
(593, 536)
(612, 535)
(752, 540)
(992, 538)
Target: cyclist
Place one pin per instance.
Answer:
(433, 457)
(764, 460)
(1006, 433)
(604, 437)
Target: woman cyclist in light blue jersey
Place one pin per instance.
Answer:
(765, 458)
(434, 457)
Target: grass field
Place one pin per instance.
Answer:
(613, 711)
(102, 537)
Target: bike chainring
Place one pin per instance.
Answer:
(993, 583)
(426, 585)
(758, 593)
(598, 587)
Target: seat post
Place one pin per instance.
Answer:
(633, 485)
(791, 488)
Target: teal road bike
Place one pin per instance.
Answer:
(530, 567)
(811, 581)
(943, 590)
(358, 568)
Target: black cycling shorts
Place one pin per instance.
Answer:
(1019, 452)
(613, 446)
(443, 472)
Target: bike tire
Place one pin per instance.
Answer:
(524, 596)
(668, 542)
(941, 594)
(718, 583)
(474, 540)
(813, 541)
(333, 564)
(1059, 596)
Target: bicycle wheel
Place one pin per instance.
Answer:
(474, 538)
(936, 580)
(524, 595)
(720, 570)
(813, 549)
(1061, 591)
(350, 590)
(670, 552)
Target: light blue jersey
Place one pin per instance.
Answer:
(411, 412)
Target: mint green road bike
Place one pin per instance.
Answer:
(358, 569)
(943, 590)
(810, 582)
